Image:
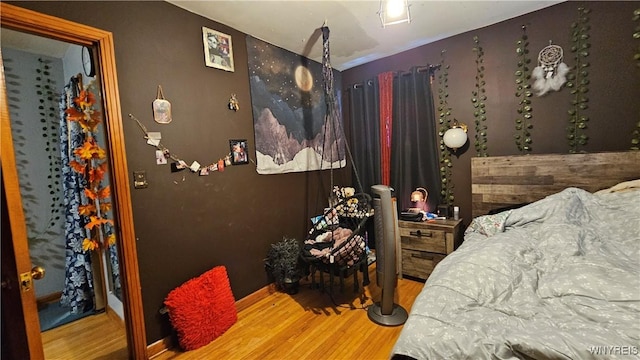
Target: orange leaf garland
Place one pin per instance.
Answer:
(85, 99)
(89, 193)
(96, 221)
(83, 112)
(73, 114)
(88, 163)
(77, 167)
(89, 150)
(96, 174)
(98, 152)
(85, 151)
(87, 210)
(89, 244)
(105, 192)
(105, 207)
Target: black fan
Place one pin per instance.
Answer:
(386, 312)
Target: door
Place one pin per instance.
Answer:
(23, 322)
(20, 325)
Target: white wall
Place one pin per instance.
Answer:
(38, 186)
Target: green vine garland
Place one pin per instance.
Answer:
(635, 140)
(523, 92)
(578, 81)
(48, 111)
(40, 230)
(444, 118)
(478, 100)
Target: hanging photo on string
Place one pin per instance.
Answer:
(161, 108)
(239, 153)
(160, 158)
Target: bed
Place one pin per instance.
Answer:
(554, 273)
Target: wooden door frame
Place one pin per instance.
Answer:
(32, 22)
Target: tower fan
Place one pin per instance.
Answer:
(386, 312)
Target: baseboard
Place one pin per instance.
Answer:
(167, 343)
(47, 299)
(114, 316)
(160, 346)
(254, 297)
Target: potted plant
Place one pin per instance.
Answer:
(282, 265)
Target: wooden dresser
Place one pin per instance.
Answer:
(426, 243)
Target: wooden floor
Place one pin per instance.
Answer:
(308, 325)
(96, 336)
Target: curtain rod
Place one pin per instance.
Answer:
(421, 69)
(359, 85)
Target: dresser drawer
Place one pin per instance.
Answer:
(419, 264)
(423, 239)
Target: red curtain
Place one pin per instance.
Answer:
(386, 120)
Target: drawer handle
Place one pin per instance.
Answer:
(420, 233)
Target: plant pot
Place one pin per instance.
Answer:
(291, 286)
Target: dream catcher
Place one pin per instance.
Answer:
(551, 72)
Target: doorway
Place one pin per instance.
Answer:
(44, 74)
(18, 278)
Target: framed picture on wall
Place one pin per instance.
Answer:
(218, 51)
(239, 152)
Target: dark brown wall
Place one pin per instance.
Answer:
(614, 87)
(186, 224)
(185, 227)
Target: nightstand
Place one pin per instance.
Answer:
(424, 244)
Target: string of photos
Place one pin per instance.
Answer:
(237, 155)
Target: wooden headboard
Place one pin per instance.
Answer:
(502, 181)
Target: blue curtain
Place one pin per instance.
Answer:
(78, 292)
(115, 270)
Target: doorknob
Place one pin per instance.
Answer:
(37, 272)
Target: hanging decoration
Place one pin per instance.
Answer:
(523, 92)
(478, 99)
(48, 117)
(578, 81)
(551, 72)
(233, 103)
(287, 98)
(161, 108)
(444, 118)
(90, 162)
(153, 139)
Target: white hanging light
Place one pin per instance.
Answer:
(394, 12)
(456, 136)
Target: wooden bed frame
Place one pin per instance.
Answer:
(503, 181)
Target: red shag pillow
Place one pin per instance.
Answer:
(202, 308)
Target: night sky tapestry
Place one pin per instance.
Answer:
(292, 133)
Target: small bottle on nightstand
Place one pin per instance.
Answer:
(456, 213)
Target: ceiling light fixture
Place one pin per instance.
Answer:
(394, 12)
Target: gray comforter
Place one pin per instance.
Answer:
(556, 279)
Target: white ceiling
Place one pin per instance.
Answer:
(32, 43)
(357, 35)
